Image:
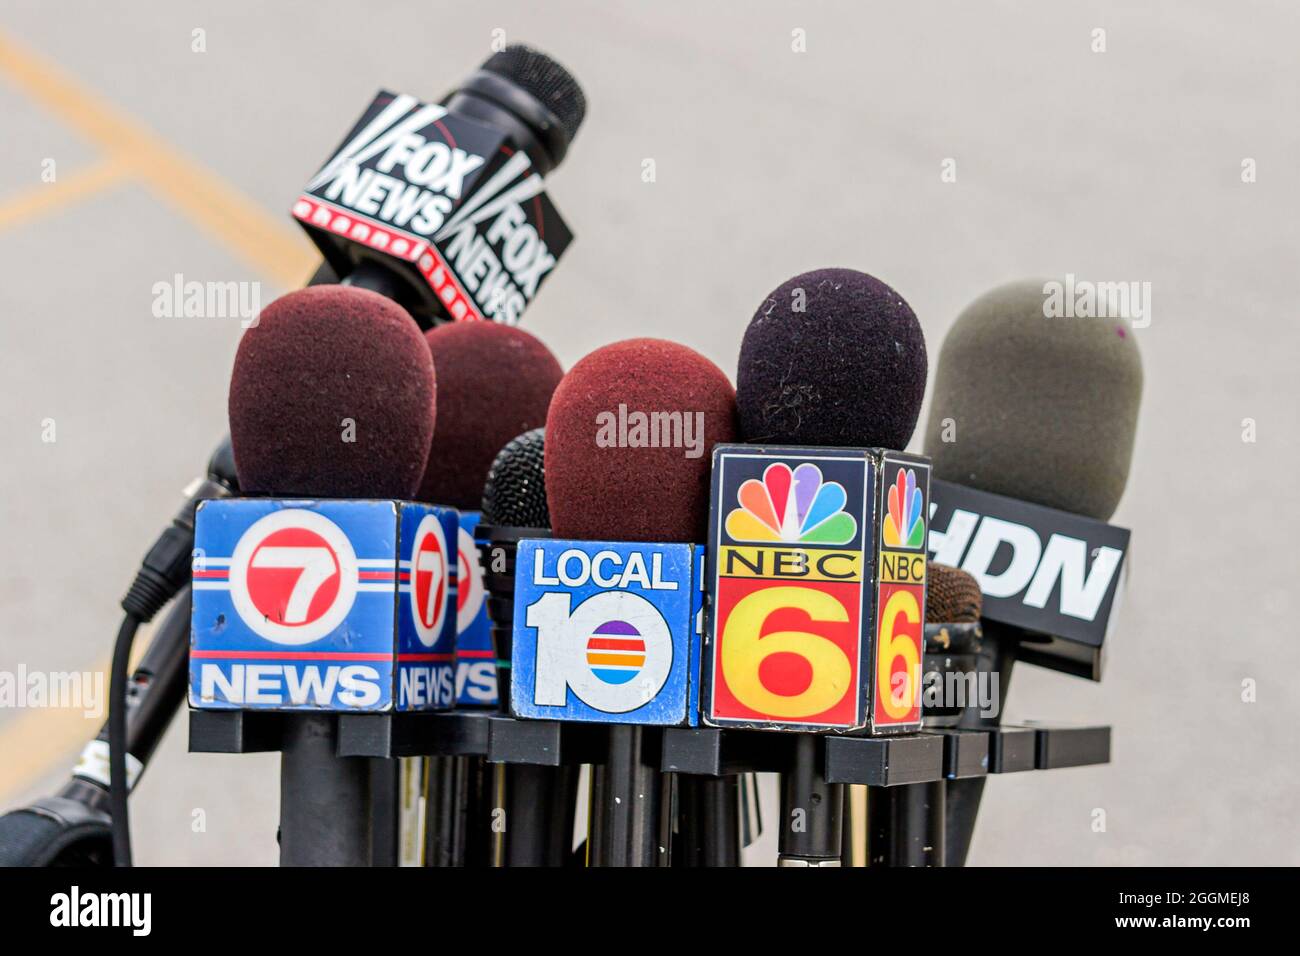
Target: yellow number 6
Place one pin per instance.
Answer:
(894, 646)
(743, 651)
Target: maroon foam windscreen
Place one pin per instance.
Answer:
(629, 443)
(332, 396)
(494, 382)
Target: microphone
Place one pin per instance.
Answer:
(1039, 409)
(299, 602)
(497, 382)
(442, 206)
(74, 824)
(952, 596)
(332, 395)
(1038, 479)
(906, 824)
(514, 507)
(1031, 429)
(494, 382)
(833, 359)
(539, 801)
(617, 471)
(628, 442)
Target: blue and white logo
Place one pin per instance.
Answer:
(603, 631)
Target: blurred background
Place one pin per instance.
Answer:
(180, 134)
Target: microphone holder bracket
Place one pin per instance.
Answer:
(927, 756)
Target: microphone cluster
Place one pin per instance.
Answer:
(427, 515)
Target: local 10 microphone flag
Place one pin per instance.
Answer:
(323, 605)
(607, 632)
(817, 589)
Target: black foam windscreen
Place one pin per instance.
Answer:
(547, 81)
(1036, 407)
(515, 493)
(833, 357)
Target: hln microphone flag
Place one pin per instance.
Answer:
(1054, 574)
(330, 605)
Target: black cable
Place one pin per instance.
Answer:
(117, 782)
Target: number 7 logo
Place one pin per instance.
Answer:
(293, 576)
(430, 580)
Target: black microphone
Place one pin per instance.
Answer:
(442, 207)
(73, 826)
(539, 802)
(906, 824)
(833, 358)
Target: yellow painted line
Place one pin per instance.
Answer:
(45, 197)
(271, 245)
(36, 742)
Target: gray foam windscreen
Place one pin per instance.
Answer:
(1034, 407)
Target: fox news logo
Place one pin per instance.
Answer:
(603, 631)
(445, 195)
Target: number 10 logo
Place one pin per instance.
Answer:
(614, 650)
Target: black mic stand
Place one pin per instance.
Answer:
(325, 806)
(812, 810)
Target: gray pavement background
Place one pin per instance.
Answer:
(1123, 165)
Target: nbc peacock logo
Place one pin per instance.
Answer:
(904, 527)
(792, 507)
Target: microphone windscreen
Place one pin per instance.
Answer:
(833, 357)
(546, 80)
(629, 442)
(952, 596)
(515, 493)
(1036, 408)
(332, 395)
(494, 381)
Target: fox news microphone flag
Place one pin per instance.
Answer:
(451, 196)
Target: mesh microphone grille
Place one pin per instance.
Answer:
(515, 493)
(952, 596)
(543, 78)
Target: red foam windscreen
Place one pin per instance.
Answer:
(332, 395)
(629, 443)
(494, 382)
